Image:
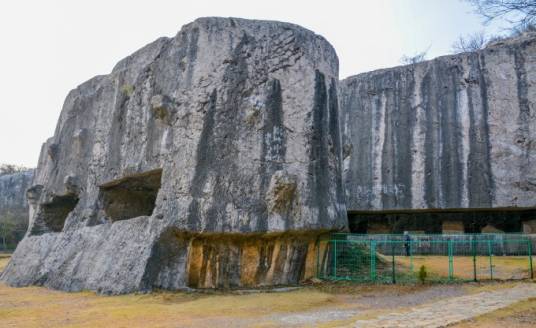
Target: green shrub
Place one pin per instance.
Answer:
(127, 89)
(422, 274)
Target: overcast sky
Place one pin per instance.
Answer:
(50, 47)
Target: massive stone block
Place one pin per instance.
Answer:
(211, 159)
(216, 159)
(454, 132)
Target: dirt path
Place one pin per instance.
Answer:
(449, 311)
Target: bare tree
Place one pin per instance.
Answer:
(10, 169)
(414, 59)
(520, 29)
(517, 12)
(472, 42)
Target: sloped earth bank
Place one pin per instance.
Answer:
(329, 305)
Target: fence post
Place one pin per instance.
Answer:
(490, 254)
(410, 256)
(529, 243)
(393, 262)
(335, 259)
(451, 266)
(373, 260)
(473, 244)
(318, 244)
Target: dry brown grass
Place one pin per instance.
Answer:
(504, 267)
(39, 307)
(4, 258)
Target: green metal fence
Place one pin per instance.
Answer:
(414, 258)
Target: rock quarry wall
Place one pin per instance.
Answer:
(211, 159)
(220, 157)
(454, 132)
(13, 195)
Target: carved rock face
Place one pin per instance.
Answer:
(220, 111)
(215, 159)
(454, 132)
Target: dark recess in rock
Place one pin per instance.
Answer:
(131, 196)
(472, 220)
(54, 213)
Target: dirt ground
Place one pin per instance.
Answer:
(519, 315)
(322, 305)
(4, 258)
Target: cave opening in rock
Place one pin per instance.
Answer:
(55, 212)
(131, 196)
(444, 221)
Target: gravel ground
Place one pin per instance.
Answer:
(426, 306)
(452, 310)
(390, 300)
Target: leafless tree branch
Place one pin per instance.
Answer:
(517, 12)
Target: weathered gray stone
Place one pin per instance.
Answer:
(211, 159)
(454, 132)
(13, 203)
(214, 158)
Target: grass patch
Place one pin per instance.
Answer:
(504, 267)
(37, 306)
(4, 259)
(31, 306)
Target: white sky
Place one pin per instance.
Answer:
(50, 47)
